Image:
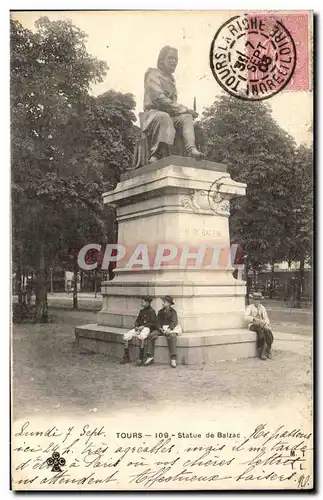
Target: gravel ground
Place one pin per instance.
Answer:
(50, 375)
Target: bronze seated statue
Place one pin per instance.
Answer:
(166, 126)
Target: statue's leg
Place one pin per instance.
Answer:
(160, 133)
(184, 125)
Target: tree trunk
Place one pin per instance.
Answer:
(255, 278)
(288, 286)
(19, 314)
(300, 283)
(247, 281)
(19, 286)
(41, 311)
(51, 280)
(23, 289)
(75, 287)
(272, 278)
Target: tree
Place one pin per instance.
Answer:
(58, 176)
(99, 137)
(245, 137)
(300, 221)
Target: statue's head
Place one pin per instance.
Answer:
(167, 59)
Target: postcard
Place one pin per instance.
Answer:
(162, 210)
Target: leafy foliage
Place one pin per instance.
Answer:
(67, 146)
(257, 151)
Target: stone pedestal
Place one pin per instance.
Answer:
(179, 208)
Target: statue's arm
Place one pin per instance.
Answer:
(160, 99)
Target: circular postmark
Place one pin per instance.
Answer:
(253, 57)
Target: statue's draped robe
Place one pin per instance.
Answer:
(161, 110)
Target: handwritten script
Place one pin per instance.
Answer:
(96, 457)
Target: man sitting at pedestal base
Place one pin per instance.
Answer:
(163, 117)
(167, 325)
(258, 321)
(144, 324)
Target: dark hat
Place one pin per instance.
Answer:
(256, 295)
(147, 298)
(169, 299)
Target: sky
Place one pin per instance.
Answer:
(129, 42)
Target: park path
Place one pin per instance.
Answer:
(50, 375)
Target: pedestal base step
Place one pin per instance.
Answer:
(206, 347)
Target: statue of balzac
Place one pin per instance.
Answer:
(164, 118)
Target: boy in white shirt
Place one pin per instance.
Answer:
(258, 321)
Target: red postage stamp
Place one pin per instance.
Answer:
(296, 24)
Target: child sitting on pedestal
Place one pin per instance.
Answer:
(167, 325)
(144, 324)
